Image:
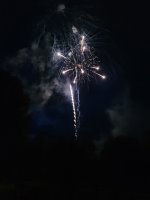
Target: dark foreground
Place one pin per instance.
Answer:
(46, 168)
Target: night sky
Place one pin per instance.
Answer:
(39, 156)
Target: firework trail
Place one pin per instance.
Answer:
(73, 55)
(74, 111)
(63, 47)
(78, 64)
(78, 106)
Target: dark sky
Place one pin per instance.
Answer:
(125, 29)
(39, 158)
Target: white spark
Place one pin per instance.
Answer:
(84, 48)
(74, 81)
(102, 76)
(83, 37)
(58, 53)
(70, 53)
(61, 55)
(65, 71)
(97, 68)
(82, 71)
(82, 40)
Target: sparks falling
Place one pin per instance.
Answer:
(74, 110)
(78, 64)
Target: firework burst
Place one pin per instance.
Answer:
(77, 64)
(80, 62)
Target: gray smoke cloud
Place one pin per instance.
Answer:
(61, 8)
(37, 73)
(36, 65)
(129, 118)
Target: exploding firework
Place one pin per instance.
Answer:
(77, 64)
(80, 62)
(59, 45)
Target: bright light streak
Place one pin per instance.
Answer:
(84, 48)
(61, 55)
(58, 53)
(82, 71)
(97, 68)
(65, 71)
(74, 111)
(82, 43)
(80, 61)
(74, 81)
(102, 76)
(83, 37)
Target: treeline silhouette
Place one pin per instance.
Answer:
(48, 168)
